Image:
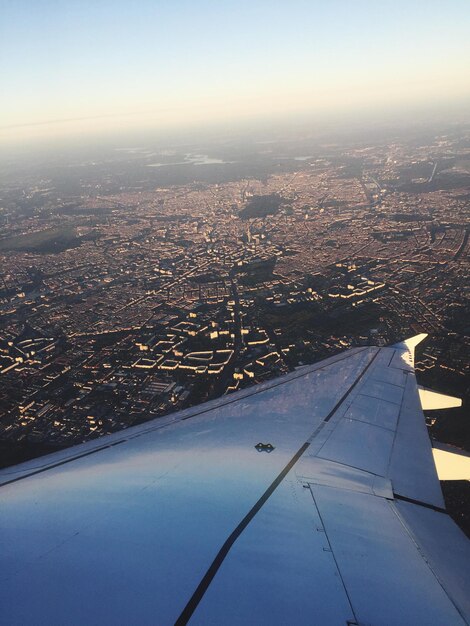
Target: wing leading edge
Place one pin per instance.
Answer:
(184, 520)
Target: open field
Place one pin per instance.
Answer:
(48, 241)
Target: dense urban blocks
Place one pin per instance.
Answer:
(122, 299)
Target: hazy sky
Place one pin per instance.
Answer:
(79, 66)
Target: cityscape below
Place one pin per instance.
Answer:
(139, 280)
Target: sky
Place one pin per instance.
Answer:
(73, 68)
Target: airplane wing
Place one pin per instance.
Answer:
(310, 499)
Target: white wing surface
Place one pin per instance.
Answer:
(311, 499)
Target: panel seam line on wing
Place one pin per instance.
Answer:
(426, 505)
(333, 554)
(421, 550)
(205, 582)
(224, 550)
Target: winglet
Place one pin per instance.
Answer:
(408, 346)
(411, 343)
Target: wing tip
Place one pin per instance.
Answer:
(411, 343)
